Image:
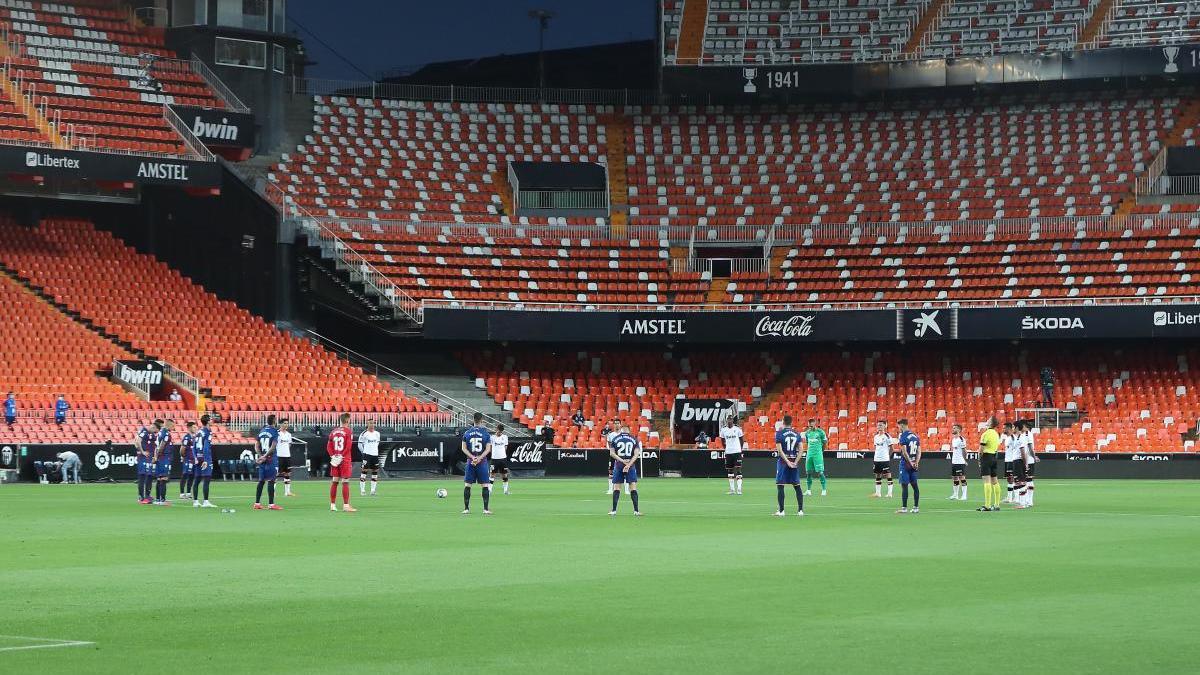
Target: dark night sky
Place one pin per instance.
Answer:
(377, 35)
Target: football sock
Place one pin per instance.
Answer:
(207, 480)
(467, 497)
(731, 482)
(963, 494)
(183, 485)
(779, 494)
(258, 492)
(345, 494)
(916, 495)
(616, 498)
(633, 494)
(799, 498)
(904, 495)
(878, 486)
(1031, 493)
(287, 486)
(739, 484)
(890, 483)
(954, 490)
(1010, 490)
(809, 479)
(822, 477)
(362, 484)
(487, 497)
(141, 486)
(271, 492)
(333, 492)
(374, 483)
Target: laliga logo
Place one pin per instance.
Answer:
(750, 74)
(247, 455)
(794, 326)
(1170, 54)
(105, 460)
(927, 322)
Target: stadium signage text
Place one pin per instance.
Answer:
(80, 165)
(1151, 458)
(529, 452)
(654, 327)
(42, 159)
(163, 171)
(218, 128)
(141, 374)
(105, 460)
(794, 326)
(1176, 319)
(1052, 323)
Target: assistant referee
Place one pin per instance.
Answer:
(989, 442)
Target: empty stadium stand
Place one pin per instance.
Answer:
(986, 27)
(1137, 23)
(103, 79)
(246, 363)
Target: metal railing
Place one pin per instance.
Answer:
(461, 412)
(223, 92)
(180, 377)
(249, 420)
(457, 94)
(562, 199)
(805, 306)
(343, 255)
(1174, 186)
(194, 145)
(1145, 183)
(736, 265)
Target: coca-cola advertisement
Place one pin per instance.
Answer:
(794, 326)
(528, 455)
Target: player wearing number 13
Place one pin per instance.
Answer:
(787, 466)
(340, 448)
(477, 446)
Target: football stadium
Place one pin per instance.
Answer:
(580, 336)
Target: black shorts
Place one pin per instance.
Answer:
(1019, 470)
(883, 467)
(1010, 469)
(733, 460)
(370, 461)
(958, 469)
(285, 464)
(1029, 470)
(987, 464)
(500, 464)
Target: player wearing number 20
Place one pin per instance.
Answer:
(625, 450)
(787, 466)
(477, 446)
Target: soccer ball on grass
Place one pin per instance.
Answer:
(441, 493)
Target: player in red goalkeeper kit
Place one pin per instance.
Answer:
(339, 447)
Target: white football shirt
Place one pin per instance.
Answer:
(368, 443)
(1027, 447)
(958, 450)
(732, 438)
(284, 447)
(500, 446)
(1012, 447)
(883, 447)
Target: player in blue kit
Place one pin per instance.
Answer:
(625, 450)
(162, 463)
(787, 466)
(477, 446)
(267, 461)
(143, 444)
(187, 460)
(910, 461)
(202, 450)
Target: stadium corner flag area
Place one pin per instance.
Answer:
(648, 336)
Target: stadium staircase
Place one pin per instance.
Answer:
(21, 103)
(924, 25)
(616, 126)
(691, 32)
(1095, 26)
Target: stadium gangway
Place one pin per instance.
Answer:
(429, 303)
(244, 421)
(463, 413)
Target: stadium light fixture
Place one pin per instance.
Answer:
(543, 17)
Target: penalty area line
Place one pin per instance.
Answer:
(45, 643)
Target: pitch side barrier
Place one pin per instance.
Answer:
(1132, 318)
(564, 462)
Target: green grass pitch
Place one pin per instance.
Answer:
(1100, 577)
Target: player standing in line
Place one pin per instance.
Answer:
(476, 445)
(1011, 453)
(1028, 456)
(910, 463)
(815, 439)
(202, 447)
(162, 463)
(883, 457)
(989, 443)
(625, 451)
(958, 464)
(368, 447)
(614, 429)
(500, 455)
(787, 465)
(284, 452)
(144, 442)
(341, 462)
(732, 438)
(267, 464)
(187, 459)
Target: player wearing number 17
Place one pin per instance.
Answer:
(477, 446)
(340, 448)
(787, 466)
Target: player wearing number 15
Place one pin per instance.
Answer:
(477, 446)
(340, 448)
(787, 466)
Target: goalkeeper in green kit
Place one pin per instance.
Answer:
(814, 460)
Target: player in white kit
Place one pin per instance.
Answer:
(500, 455)
(283, 450)
(883, 457)
(1012, 452)
(368, 445)
(732, 437)
(958, 464)
(1026, 460)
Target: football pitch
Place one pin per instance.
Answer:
(1101, 576)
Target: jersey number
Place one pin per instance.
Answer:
(476, 446)
(625, 448)
(338, 443)
(789, 444)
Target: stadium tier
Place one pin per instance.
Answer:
(546, 389)
(102, 78)
(1139, 22)
(248, 364)
(985, 27)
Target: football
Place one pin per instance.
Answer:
(441, 493)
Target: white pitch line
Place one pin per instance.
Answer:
(53, 643)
